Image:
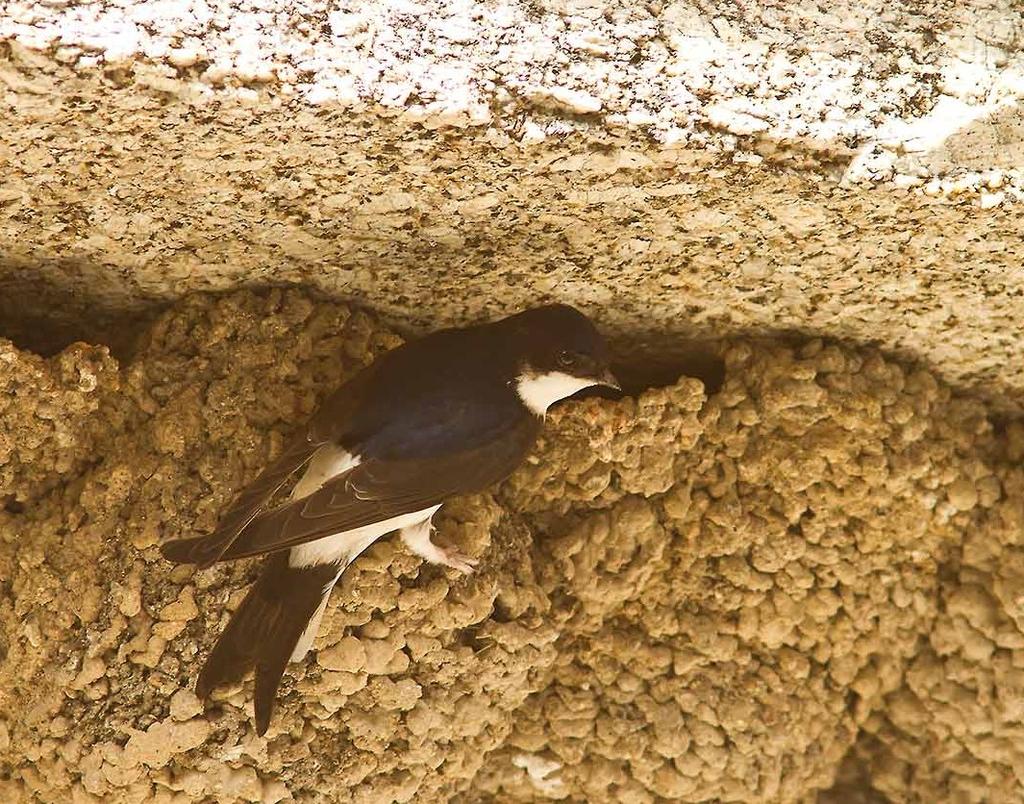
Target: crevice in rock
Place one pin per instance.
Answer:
(43, 310)
(647, 367)
(853, 783)
(46, 306)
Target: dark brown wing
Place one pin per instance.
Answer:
(253, 499)
(378, 490)
(327, 424)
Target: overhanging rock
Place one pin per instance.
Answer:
(688, 169)
(810, 574)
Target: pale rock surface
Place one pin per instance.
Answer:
(847, 169)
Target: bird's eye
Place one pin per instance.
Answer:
(566, 359)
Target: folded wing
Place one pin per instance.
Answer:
(327, 425)
(374, 491)
(247, 507)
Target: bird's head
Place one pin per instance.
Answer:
(560, 352)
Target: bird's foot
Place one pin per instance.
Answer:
(417, 539)
(450, 557)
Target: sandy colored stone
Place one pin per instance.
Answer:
(50, 434)
(684, 170)
(163, 740)
(184, 608)
(185, 705)
(348, 655)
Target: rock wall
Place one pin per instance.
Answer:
(800, 582)
(686, 168)
(682, 596)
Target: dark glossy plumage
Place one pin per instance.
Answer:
(430, 420)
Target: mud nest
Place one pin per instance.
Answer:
(681, 597)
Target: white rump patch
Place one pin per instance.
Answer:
(345, 546)
(541, 391)
(342, 548)
(327, 462)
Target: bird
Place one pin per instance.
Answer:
(449, 414)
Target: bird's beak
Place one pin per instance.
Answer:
(608, 379)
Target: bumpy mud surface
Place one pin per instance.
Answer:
(680, 597)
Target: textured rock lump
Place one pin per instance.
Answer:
(681, 597)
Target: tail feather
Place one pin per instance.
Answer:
(264, 631)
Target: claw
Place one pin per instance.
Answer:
(450, 557)
(417, 539)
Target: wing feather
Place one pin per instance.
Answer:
(247, 507)
(377, 490)
(327, 425)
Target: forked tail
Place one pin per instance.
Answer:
(275, 624)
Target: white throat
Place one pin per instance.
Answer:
(541, 391)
